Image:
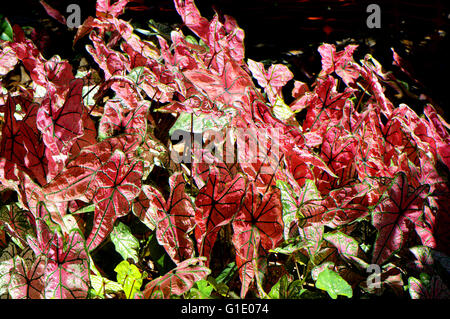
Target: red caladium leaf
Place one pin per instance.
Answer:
(11, 146)
(226, 88)
(54, 73)
(88, 138)
(117, 119)
(441, 135)
(174, 219)
(326, 105)
(178, 280)
(217, 202)
(61, 125)
(142, 208)
(436, 289)
(116, 185)
(76, 181)
(55, 14)
(399, 209)
(338, 151)
(258, 227)
(370, 76)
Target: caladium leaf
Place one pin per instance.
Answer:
(6, 264)
(16, 221)
(436, 289)
(272, 80)
(338, 151)
(258, 227)
(129, 277)
(125, 243)
(347, 247)
(143, 210)
(340, 62)
(217, 203)
(67, 270)
(192, 18)
(11, 146)
(27, 281)
(334, 284)
(117, 184)
(117, 119)
(174, 219)
(290, 208)
(61, 125)
(177, 281)
(8, 60)
(399, 209)
(88, 138)
(105, 9)
(226, 88)
(55, 14)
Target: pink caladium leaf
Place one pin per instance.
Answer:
(8, 60)
(192, 18)
(174, 219)
(217, 203)
(258, 227)
(272, 80)
(61, 125)
(104, 8)
(27, 281)
(116, 185)
(178, 280)
(326, 105)
(340, 62)
(226, 88)
(67, 269)
(399, 209)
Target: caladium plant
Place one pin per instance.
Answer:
(307, 206)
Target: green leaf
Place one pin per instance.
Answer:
(124, 241)
(6, 32)
(130, 278)
(280, 289)
(202, 123)
(227, 273)
(135, 75)
(335, 285)
(201, 290)
(101, 286)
